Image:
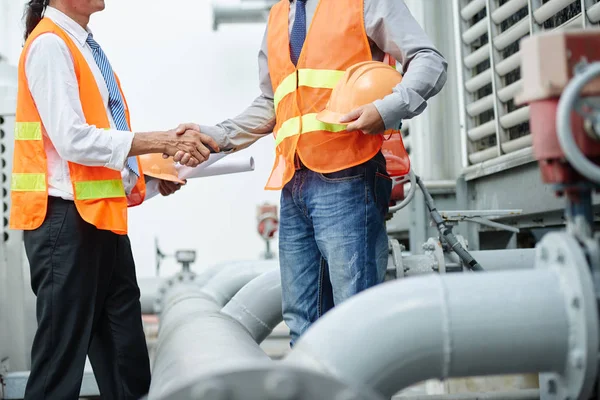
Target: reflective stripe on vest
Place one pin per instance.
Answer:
(310, 123)
(28, 182)
(93, 190)
(85, 190)
(28, 131)
(315, 78)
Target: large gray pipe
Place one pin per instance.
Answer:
(150, 288)
(225, 284)
(195, 338)
(257, 306)
(512, 259)
(490, 260)
(443, 326)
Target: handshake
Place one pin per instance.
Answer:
(186, 144)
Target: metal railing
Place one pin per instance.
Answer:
(495, 130)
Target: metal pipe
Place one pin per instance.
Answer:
(445, 232)
(224, 285)
(512, 259)
(257, 306)
(201, 344)
(195, 338)
(490, 260)
(152, 288)
(441, 327)
(525, 394)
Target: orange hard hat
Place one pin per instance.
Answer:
(362, 84)
(155, 166)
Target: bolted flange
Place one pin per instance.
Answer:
(562, 253)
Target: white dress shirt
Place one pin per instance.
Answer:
(67, 137)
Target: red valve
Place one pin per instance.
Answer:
(268, 221)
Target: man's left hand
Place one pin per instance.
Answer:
(366, 119)
(167, 188)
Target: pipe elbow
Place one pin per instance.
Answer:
(408, 331)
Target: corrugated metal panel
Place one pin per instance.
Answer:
(494, 125)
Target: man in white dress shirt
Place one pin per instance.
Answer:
(75, 220)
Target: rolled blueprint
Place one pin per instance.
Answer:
(228, 166)
(215, 165)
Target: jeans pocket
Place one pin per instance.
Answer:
(344, 175)
(383, 191)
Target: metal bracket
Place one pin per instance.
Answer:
(396, 250)
(482, 218)
(433, 248)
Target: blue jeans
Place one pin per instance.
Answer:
(332, 239)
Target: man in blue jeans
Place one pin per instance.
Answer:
(333, 240)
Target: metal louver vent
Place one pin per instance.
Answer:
(490, 32)
(4, 173)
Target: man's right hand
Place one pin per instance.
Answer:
(189, 145)
(183, 157)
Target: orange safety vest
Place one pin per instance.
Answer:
(335, 41)
(99, 193)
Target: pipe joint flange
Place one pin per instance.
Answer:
(563, 254)
(182, 277)
(396, 252)
(269, 381)
(433, 247)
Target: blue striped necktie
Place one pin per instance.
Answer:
(115, 101)
(298, 31)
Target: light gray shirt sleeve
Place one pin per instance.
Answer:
(393, 29)
(256, 121)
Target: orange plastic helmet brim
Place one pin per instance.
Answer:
(165, 177)
(330, 117)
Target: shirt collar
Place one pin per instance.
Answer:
(67, 24)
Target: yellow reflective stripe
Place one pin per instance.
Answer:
(319, 78)
(92, 190)
(310, 123)
(28, 131)
(28, 182)
(315, 78)
(287, 86)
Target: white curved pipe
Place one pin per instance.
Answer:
(566, 106)
(225, 284)
(257, 306)
(401, 333)
(202, 342)
(195, 337)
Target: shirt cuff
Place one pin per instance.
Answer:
(390, 111)
(121, 146)
(218, 134)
